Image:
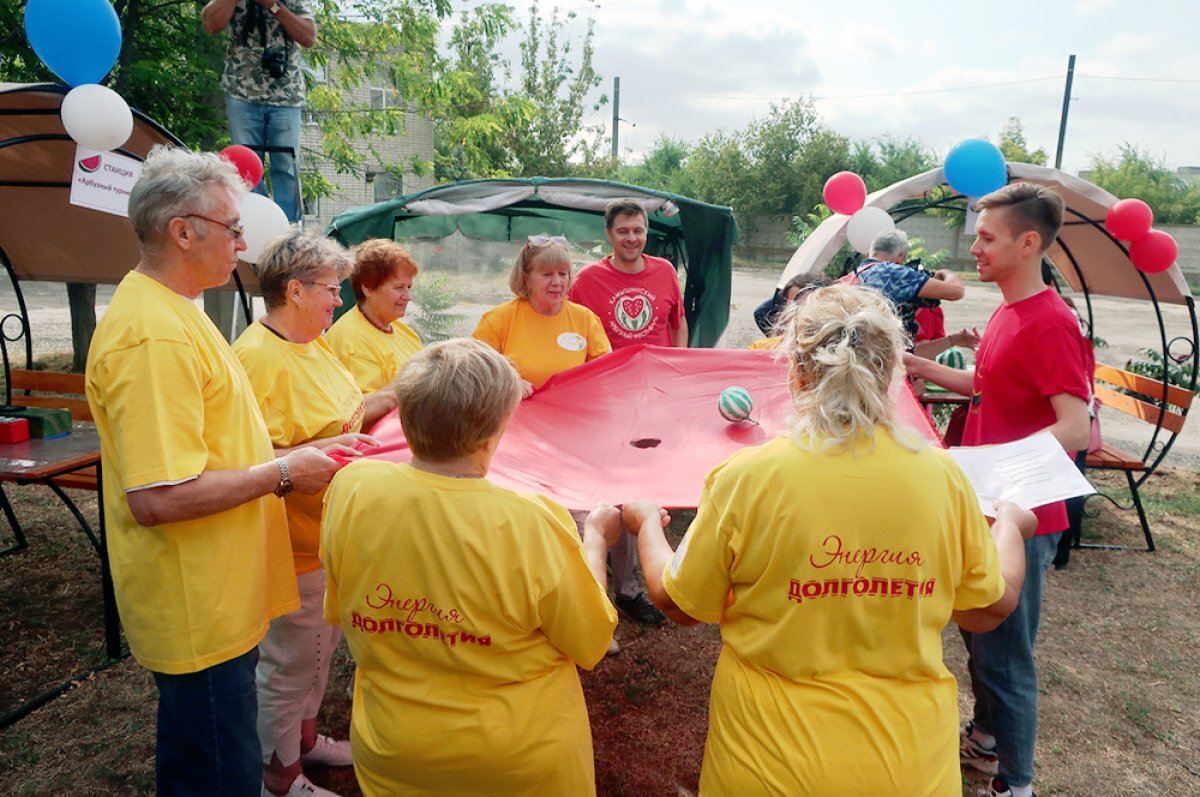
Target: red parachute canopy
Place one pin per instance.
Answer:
(641, 422)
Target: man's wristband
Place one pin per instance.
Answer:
(285, 478)
(275, 8)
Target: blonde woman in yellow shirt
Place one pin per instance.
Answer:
(833, 559)
(370, 339)
(308, 399)
(468, 617)
(541, 331)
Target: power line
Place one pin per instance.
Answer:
(1140, 79)
(851, 96)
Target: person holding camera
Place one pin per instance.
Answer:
(263, 84)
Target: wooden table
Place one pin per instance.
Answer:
(38, 461)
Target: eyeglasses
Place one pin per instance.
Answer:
(334, 288)
(543, 239)
(237, 229)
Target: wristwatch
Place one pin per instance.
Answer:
(274, 9)
(285, 478)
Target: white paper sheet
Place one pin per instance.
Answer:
(1032, 472)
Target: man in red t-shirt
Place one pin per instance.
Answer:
(636, 295)
(1030, 375)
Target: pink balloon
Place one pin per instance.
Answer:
(1154, 252)
(845, 193)
(1129, 219)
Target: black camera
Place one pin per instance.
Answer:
(275, 61)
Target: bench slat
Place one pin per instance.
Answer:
(1176, 396)
(48, 381)
(1110, 457)
(1171, 421)
(80, 480)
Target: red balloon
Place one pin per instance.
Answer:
(1129, 219)
(845, 193)
(247, 163)
(1154, 252)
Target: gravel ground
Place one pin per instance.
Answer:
(1125, 325)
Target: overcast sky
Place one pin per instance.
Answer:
(938, 71)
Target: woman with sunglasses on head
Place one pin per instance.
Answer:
(370, 339)
(541, 331)
(307, 398)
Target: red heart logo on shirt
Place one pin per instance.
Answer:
(632, 306)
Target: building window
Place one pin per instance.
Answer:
(382, 97)
(385, 185)
(309, 117)
(312, 207)
(316, 72)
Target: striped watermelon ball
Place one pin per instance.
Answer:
(735, 404)
(953, 358)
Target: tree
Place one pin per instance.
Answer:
(1138, 174)
(557, 92)
(1014, 147)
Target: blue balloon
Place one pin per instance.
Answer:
(78, 39)
(975, 167)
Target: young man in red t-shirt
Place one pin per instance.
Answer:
(1030, 374)
(636, 295)
(637, 298)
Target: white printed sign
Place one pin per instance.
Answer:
(102, 180)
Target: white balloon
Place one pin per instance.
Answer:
(96, 117)
(263, 220)
(866, 225)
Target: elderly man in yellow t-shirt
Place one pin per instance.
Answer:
(197, 536)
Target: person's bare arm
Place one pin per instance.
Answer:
(679, 335)
(1072, 426)
(943, 284)
(645, 520)
(961, 382)
(302, 29)
(215, 491)
(966, 338)
(1013, 526)
(216, 15)
(378, 404)
(601, 530)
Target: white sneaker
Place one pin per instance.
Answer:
(302, 787)
(613, 648)
(328, 753)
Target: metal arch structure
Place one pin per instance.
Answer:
(1089, 259)
(42, 235)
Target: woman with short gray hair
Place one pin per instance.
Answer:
(307, 398)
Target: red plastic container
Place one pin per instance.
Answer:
(14, 430)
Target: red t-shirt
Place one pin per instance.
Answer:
(1031, 350)
(634, 308)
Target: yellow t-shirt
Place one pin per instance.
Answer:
(766, 344)
(171, 401)
(844, 569)
(304, 394)
(466, 621)
(374, 357)
(541, 346)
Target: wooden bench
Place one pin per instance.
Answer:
(1163, 406)
(56, 390)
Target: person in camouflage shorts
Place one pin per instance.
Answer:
(263, 84)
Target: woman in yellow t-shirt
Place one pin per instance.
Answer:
(467, 619)
(833, 560)
(307, 398)
(370, 339)
(540, 331)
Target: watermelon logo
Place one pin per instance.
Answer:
(953, 358)
(633, 313)
(91, 164)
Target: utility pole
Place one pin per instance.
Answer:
(1062, 125)
(617, 115)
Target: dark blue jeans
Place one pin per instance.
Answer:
(207, 735)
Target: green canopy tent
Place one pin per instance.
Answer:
(695, 236)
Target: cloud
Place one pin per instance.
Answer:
(1085, 8)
